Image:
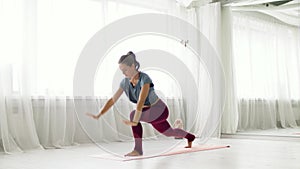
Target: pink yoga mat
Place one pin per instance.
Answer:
(177, 150)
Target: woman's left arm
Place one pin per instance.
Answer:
(142, 98)
(139, 106)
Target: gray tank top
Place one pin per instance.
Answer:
(133, 92)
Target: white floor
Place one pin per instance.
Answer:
(287, 132)
(243, 154)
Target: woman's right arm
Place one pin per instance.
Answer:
(108, 104)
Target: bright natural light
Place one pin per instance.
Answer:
(87, 83)
(109, 65)
(265, 59)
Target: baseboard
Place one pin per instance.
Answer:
(261, 137)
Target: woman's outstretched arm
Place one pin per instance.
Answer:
(108, 104)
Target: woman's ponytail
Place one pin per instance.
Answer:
(130, 59)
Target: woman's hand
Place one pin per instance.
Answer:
(93, 116)
(130, 123)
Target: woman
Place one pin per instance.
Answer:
(149, 108)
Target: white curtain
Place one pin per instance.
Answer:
(41, 43)
(211, 30)
(18, 41)
(36, 70)
(230, 115)
(266, 56)
(17, 124)
(209, 23)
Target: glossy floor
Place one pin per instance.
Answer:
(243, 154)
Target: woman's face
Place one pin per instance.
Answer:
(128, 71)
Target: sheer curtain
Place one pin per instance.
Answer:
(107, 71)
(41, 44)
(209, 21)
(18, 41)
(36, 70)
(266, 55)
(230, 115)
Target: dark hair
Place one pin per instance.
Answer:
(129, 59)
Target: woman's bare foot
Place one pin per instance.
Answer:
(190, 142)
(133, 153)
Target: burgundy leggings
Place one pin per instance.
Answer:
(157, 116)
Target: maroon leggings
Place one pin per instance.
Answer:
(157, 116)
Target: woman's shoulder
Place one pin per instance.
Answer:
(124, 81)
(143, 74)
(145, 77)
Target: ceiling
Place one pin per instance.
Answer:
(287, 11)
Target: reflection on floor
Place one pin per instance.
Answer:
(243, 154)
(289, 134)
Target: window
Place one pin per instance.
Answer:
(266, 56)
